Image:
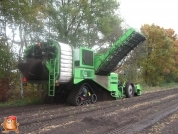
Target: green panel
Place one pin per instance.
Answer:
(113, 82)
(102, 81)
(83, 73)
(113, 86)
(110, 83)
(138, 89)
(77, 80)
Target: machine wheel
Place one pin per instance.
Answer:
(129, 90)
(93, 98)
(79, 101)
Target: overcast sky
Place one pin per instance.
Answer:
(163, 13)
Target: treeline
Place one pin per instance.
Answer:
(160, 62)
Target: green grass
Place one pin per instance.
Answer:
(166, 86)
(20, 102)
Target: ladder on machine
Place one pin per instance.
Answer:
(52, 77)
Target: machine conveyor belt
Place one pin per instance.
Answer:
(119, 53)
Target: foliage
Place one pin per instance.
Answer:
(32, 95)
(159, 60)
(20, 102)
(23, 13)
(24, 18)
(6, 60)
(131, 65)
(84, 22)
(165, 86)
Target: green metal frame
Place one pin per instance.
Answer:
(113, 86)
(105, 63)
(103, 58)
(81, 74)
(108, 61)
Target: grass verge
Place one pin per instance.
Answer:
(166, 86)
(20, 102)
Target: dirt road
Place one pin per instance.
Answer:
(151, 113)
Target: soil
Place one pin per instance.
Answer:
(150, 113)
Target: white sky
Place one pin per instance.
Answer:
(163, 13)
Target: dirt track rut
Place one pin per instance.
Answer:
(137, 115)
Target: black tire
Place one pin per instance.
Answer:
(93, 98)
(79, 101)
(129, 90)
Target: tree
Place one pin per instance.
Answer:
(81, 22)
(131, 65)
(173, 76)
(159, 59)
(6, 60)
(25, 18)
(84, 22)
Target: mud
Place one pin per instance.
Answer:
(155, 112)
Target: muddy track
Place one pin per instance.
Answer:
(44, 107)
(110, 117)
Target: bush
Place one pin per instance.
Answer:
(4, 88)
(32, 94)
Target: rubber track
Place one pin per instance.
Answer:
(72, 98)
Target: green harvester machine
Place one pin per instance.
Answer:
(78, 75)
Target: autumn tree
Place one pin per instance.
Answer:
(131, 65)
(158, 61)
(173, 76)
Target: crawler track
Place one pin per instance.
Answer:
(133, 115)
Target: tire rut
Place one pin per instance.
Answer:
(6, 111)
(126, 113)
(60, 113)
(68, 112)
